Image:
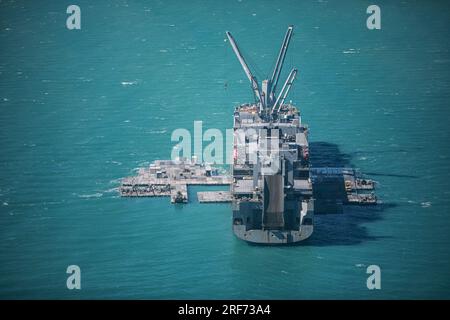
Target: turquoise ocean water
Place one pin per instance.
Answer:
(81, 109)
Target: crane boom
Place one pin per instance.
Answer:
(285, 90)
(280, 60)
(244, 65)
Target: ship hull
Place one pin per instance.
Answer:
(272, 196)
(273, 237)
(298, 227)
(271, 191)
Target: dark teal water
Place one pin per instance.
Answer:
(70, 129)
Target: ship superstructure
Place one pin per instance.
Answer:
(271, 189)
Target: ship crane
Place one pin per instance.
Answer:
(280, 61)
(266, 97)
(284, 91)
(249, 74)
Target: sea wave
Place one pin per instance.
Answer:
(129, 83)
(93, 195)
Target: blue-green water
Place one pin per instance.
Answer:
(71, 127)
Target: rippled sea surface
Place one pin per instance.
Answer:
(81, 109)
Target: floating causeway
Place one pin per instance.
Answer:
(167, 178)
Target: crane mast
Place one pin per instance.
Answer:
(247, 71)
(280, 61)
(266, 96)
(284, 91)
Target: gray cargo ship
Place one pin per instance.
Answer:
(271, 190)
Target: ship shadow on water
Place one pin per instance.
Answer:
(336, 223)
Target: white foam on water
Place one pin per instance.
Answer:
(116, 181)
(157, 131)
(350, 51)
(128, 83)
(88, 196)
(425, 204)
(116, 189)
